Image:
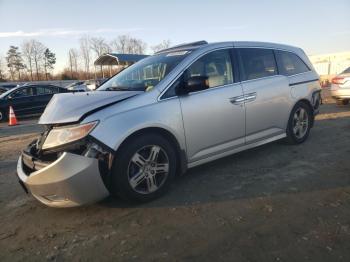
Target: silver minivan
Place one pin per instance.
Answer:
(182, 107)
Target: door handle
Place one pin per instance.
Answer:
(237, 100)
(250, 97)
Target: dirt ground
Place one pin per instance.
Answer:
(273, 203)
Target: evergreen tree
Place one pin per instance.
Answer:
(49, 61)
(14, 61)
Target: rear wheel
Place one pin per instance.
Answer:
(342, 102)
(144, 168)
(299, 123)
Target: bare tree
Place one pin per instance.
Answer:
(120, 43)
(70, 59)
(73, 61)
(128, 45)
(38, 55)
(85, 53)
(99, 46)
(163, 45)
(27, 51)
(2, 74)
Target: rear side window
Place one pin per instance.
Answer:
(46, 90)
(257, 63)
(290, 64)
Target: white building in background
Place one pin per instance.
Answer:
(330, 64)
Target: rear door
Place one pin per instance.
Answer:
(43, 96)
(267, 94)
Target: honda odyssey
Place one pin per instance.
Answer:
(180, 108)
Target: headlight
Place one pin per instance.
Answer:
(63, 135)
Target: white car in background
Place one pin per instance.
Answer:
(94, 83)
(90, 84)
(78, 87)
(340, 89)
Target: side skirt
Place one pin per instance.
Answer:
(236, 150)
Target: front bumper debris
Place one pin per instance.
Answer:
(71, 180)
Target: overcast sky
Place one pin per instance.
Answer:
(317, 26)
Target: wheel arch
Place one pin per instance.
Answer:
(180, 153)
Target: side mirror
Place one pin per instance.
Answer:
(194, 84)
(9, 97)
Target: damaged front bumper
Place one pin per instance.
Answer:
(71, 180)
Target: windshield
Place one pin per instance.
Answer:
(145, 74)
(3, 95)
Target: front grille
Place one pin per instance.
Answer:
(34, 158)
(32, 164)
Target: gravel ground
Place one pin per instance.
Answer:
(27, 126)
(273, 203)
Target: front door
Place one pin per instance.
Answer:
(214, 119)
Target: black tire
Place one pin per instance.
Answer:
(292, 137)
(342, 102)
(3, 116)
(120, 185)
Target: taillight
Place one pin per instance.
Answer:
(338, 80)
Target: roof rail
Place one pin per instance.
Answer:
(182, 46)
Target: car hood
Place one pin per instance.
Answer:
(72, 107)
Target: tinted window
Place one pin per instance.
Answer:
(290, 64)
(41, 90)
(257, 63)
(215, 65)
(23, 92)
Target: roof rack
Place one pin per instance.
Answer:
(183, 46)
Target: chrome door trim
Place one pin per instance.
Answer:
(250, 97)
(234, 150)
(237, 100)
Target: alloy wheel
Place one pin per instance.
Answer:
(300, 123)
(148, 169)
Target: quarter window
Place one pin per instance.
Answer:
(257, 63)
(215, 65)
(290, 64)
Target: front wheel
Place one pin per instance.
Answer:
(299, 123)
(2, 116)
(144, 168)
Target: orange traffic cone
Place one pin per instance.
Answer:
(12, 117)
